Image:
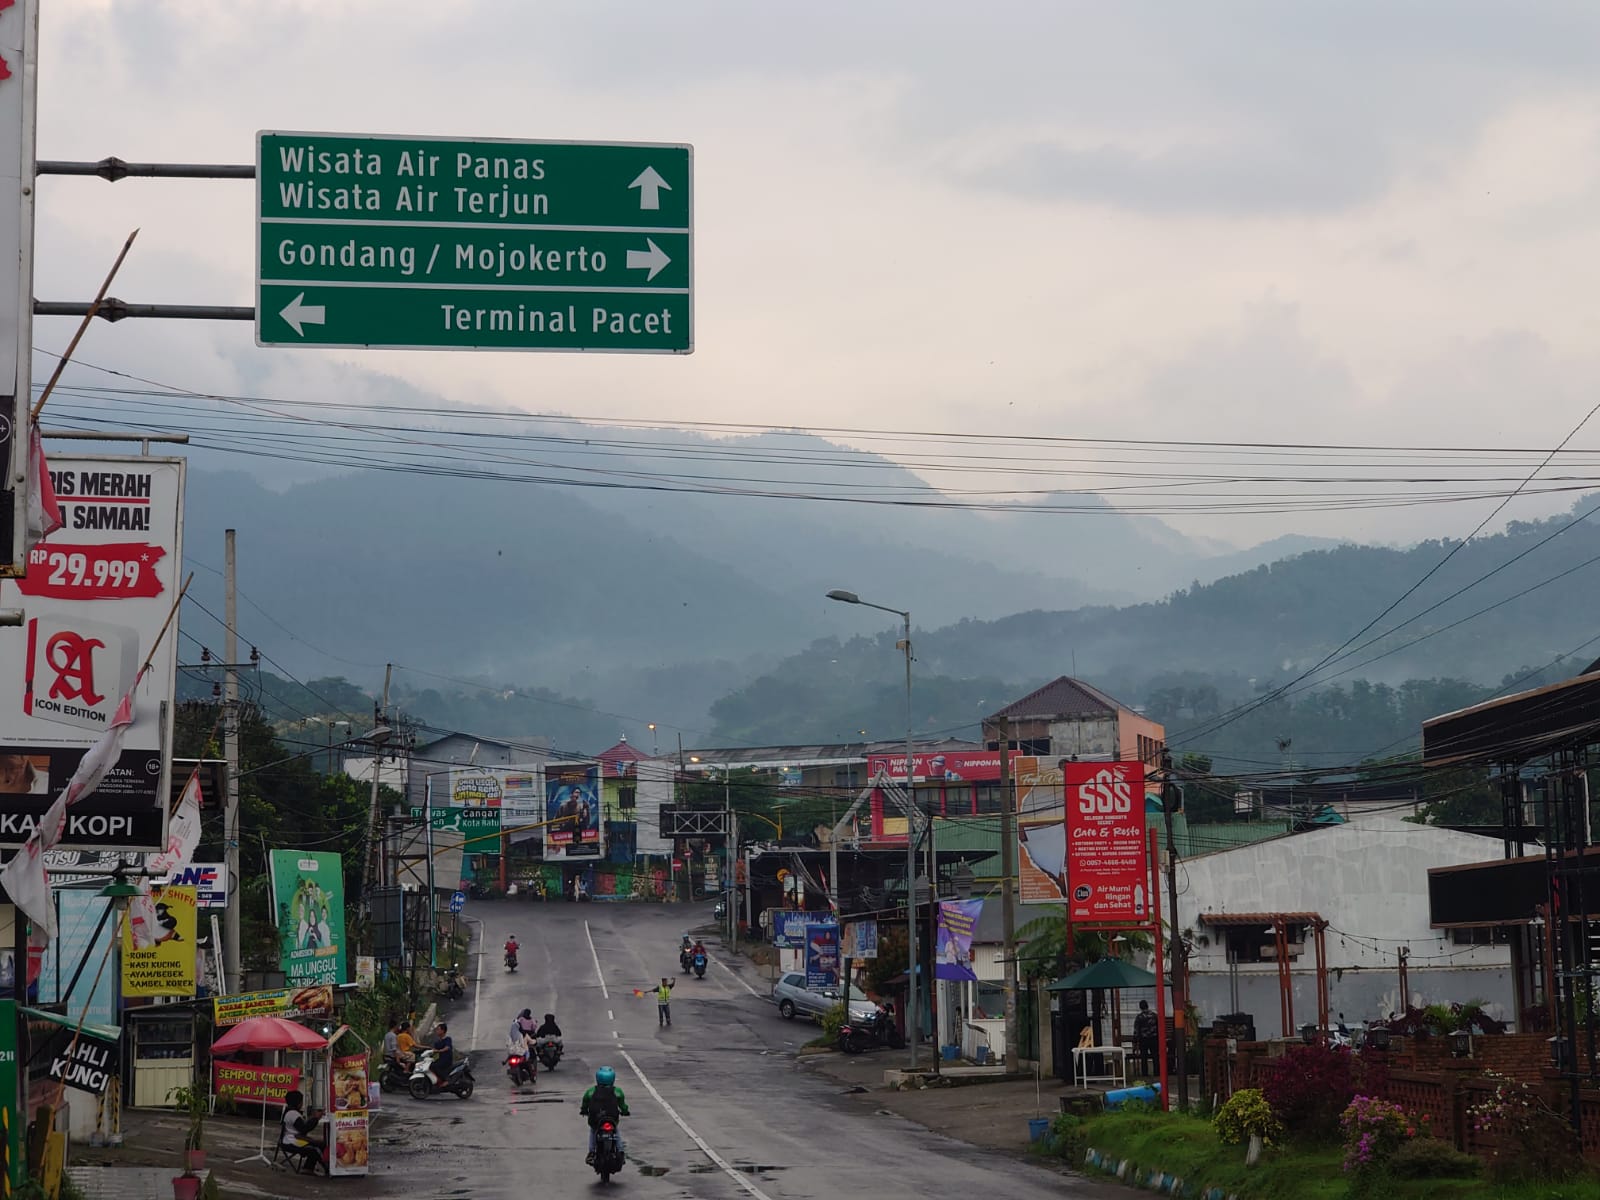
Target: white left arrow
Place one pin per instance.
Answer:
(654, 258)
(298, 313)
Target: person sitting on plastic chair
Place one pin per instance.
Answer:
(302, 1151)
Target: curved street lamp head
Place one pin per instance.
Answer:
(844, 596)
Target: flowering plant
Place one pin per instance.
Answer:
(1527, 1139)
(1247, 1114)
(1373, 1130)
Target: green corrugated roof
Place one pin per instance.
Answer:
(983, 833)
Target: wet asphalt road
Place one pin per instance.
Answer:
(719, 1109)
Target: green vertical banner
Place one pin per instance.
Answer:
(15, 1167)
(308, 906)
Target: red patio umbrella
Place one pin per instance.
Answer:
(264, 1034)
(269, 1033)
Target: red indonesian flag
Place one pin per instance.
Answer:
(24, 876)
(183, 838)
(44, 512)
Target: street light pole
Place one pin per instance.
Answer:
(912, 1029)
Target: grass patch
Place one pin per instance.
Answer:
(1188, 1147)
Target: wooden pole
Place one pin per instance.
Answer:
(61, 363)
(1151, 863)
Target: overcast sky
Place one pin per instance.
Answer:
(1354, 222)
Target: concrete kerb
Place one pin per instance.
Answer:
(1151, 1178)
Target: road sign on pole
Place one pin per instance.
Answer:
(450, 244)
(19, 89)
(458, 901)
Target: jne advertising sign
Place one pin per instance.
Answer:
(95, 597)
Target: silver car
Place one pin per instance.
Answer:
(794, 998)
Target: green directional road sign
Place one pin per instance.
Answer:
(444, 244)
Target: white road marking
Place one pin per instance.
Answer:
(595, 954)
(610, 1016)
(728, 1168)
(739, 979)
(477, 983)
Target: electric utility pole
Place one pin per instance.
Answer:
(1008, 894)
(230, 735)
(1171, 801)
(380, 734)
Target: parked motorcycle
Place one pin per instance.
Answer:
(392, 1076)
(856, 1036)
(549, 1050)
(521, 1069)
(608, 1156)
(451, 987)
(699, 966)
(421, 1085)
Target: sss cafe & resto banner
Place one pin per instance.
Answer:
(96, 594)
(1107, 869)
(167, 968)
(308, 905)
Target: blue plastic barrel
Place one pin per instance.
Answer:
(1037, 1128)
(1148, 1093)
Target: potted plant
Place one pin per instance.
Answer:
(194, 1103)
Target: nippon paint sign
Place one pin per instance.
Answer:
(96, 595)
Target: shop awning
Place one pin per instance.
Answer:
(109, 1033)
(1259, 918)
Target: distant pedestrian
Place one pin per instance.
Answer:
(664, 1002)
(1145, 1042)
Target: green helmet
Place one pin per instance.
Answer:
(605, 1075)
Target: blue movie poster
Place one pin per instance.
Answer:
(822, 955)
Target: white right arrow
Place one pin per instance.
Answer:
(650, 184)
(296, 312)
(654, 258)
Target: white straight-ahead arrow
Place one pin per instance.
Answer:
(650, 186)
(297, 313)
(654, 258)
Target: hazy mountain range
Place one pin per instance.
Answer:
(527, 606)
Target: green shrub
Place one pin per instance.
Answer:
(832, 1022)
(1247, 1114)
(1430, 1158)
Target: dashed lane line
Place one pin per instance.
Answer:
(595, 954)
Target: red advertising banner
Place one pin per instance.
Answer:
(1107, 871)
(954, 766)
(246, 1081)
(347, 1086)
(112, 571)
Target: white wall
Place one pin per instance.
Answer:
(653, 780)
(1369, 881)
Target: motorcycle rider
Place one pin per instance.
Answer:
(407, 1044)
(548, 1028)
(521, 1035)
(511, 949)
(444, 1052)
(603, 1102)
